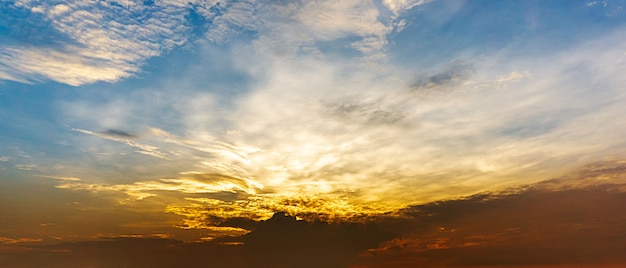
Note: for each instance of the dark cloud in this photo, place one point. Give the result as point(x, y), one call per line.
point(364, 112)
point(237, 222)
point(126, 252)
point(608, 171)
point(526, 227)
point(451, 76)
point(281, 241)
point(116, 133)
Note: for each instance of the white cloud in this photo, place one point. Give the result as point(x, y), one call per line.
point(106, 42)
point(398, 6)
point(109, 41)
point(65, 67)
point(286, 29)
point(28, 167)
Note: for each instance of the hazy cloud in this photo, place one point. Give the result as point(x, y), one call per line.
point(191, 183)
point(365, 113)
point(27, 167)
point(451, 76)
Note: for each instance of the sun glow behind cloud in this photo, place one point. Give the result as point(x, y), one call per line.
point(366, 141)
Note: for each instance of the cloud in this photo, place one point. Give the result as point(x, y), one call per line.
point(192, 183)
point(28, 167)
point(316, 126)
point(357, 138)
point(538, 224)
point(230, 18)
point(301, 28)
point(7, 240)
point(118, 133)
point(398, 6)
point(204, 212)
point(35, 63)
point(366, 113)
point(103, 42)
point(128, 139)
point(60, 178)
point(281, 241)
point(111, 41)
point(451, 77)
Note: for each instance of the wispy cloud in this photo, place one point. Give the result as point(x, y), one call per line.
point(60, 178)
point(28, 167)
point(189, 183)
point(126, 138)
point(7, 240)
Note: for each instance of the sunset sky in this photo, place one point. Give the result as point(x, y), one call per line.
point(385, 133)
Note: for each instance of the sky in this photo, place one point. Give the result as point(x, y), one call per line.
point(326, 133)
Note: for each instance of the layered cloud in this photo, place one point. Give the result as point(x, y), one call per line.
point(106, 41)
point(110, 40)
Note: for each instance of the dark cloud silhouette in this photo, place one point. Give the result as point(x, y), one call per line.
point(116, 133)
point(281, 241)
point(530, 227)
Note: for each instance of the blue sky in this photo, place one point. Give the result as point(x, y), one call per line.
point(186, 108)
